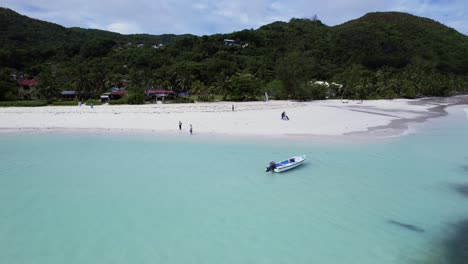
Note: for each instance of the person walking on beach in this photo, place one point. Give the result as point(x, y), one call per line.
point(180, 125)
point(191, 131)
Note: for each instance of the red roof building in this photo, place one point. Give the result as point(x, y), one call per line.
point(28, 82)
point(160, 92)
point(26, 89)
point(119, 92)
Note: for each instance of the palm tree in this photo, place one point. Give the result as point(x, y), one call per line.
point(184, 81)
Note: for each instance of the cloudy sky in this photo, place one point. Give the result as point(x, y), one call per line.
point(205, 17)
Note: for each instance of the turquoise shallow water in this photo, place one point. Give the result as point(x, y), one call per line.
point(142, 199)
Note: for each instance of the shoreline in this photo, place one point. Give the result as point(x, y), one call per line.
point(321, 120)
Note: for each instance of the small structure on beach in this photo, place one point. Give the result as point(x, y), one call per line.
point(68, 94)
point(105, 97)
point(155, 94)
point(184, 94)
point(332, 88)
point(117, 94)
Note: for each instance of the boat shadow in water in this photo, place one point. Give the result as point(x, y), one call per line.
point(406, 226)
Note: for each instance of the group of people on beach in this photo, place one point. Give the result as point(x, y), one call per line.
point(90, 105)
point(283, 117)
point(190, 130)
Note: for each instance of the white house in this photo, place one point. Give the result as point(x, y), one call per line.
point(229, 42)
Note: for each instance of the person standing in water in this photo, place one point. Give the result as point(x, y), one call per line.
point(191, 131)
point(180, 125)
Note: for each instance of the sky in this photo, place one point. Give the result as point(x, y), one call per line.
point(206, 17)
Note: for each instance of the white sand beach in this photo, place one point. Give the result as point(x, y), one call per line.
point(318, 118)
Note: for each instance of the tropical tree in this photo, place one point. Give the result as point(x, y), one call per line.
point(291, 71)
point(136, 95)
point(243, 86)
point(47, 87)
point(7, 85)
point(198, 87)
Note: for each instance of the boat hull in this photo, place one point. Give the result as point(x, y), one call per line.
point(290, 163)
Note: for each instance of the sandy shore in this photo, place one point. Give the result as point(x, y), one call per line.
point(318, 118)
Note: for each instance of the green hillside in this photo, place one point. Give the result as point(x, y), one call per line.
point(396, 39)
point(379, 55)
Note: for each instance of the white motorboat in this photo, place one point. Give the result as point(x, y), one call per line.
point(285, 165)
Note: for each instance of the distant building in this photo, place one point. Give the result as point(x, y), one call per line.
point(332, 88)
point(155, 94)
point(184, 94)
point(114, 95)
point(68, 94)
point(105, 97)
point(124, 82)
point(140, 45)
point(229, 42)
point(159, 46)
point(324, 83)
point(26, 88)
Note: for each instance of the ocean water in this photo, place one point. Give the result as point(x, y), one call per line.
point(151, 199)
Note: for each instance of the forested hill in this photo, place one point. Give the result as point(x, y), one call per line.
point(396, 39)
point(18, 31)
point(386, 54)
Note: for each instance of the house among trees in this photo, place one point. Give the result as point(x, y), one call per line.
point(117, 94)
point(159, 46)
point(155, 94)
point(68, 94)
point(331, 89)
point(124, 83)
point(229, 42)
point(26, 88)
point(105, 97)
point(113, 93)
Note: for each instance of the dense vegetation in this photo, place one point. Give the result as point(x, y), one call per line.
point(380, 55)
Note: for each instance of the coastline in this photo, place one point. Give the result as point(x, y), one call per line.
point(328, 119)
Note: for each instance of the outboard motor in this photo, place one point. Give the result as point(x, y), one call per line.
point(271, 167)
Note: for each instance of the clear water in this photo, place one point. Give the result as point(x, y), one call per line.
point(141, 199)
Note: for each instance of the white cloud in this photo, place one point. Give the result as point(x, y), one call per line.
point(123, 27)
point(199, 6)
point(276, 6)
point(223, 16)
